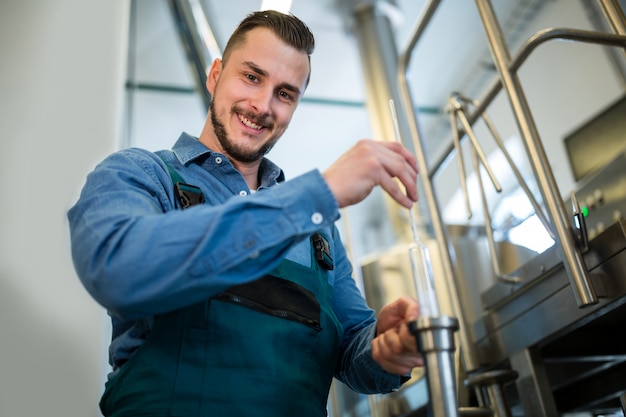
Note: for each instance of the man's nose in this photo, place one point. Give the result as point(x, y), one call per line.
point(261, 100)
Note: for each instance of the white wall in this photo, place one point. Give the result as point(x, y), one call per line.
point(62, 73)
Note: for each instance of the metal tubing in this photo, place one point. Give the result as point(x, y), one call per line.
point(468, 353)
point(479, 150)
point(435, 341)
point(378, 53)
point(527, 48)
point(614, 14)
point(460, 163)
point(572, 258)
point(490, 390)
point(518, 175)
point(198, 40)
point(495, 264)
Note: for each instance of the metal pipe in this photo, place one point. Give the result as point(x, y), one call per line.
point(468, 353)
point(572, 258)
point(456, 137)
point(495, 264)
point(435, 341)
point(490, 390)
point(518, 175)
point(480, 153)
point(198, 40)
point(614, 14)
point(378, 54)
point(516, 62)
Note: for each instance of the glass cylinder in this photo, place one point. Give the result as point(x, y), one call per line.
point(423, 277)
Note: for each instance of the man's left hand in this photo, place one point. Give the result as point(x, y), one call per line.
point(394, 348)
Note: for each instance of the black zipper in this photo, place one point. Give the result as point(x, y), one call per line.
point(280, 313)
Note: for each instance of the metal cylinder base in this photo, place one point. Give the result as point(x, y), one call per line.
point(435, 341)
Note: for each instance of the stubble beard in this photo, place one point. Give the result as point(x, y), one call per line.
point(230, 148)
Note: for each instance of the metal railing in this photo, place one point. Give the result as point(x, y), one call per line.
point(560, 224)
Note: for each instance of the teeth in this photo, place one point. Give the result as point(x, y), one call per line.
point(249, 123)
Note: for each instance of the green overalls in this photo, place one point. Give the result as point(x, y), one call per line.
point(267, 348)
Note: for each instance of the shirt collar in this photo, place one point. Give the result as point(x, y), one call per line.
point(188, 148)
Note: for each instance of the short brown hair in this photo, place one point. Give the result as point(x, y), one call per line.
point(291, 30)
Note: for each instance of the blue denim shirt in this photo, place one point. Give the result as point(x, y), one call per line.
point(138, 256)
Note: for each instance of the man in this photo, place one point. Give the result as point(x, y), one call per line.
point(242, 304)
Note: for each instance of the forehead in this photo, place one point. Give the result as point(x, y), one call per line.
point(272, 55)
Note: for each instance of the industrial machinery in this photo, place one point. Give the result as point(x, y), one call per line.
point(555, 326)
point(545, 337)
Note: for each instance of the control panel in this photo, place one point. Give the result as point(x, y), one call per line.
point(602, 197)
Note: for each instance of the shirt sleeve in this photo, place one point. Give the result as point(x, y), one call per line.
point(139, 257)
point(356, 368)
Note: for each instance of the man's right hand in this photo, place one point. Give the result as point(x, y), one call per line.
point(370, 163)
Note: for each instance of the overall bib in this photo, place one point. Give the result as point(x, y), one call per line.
point(264, 349)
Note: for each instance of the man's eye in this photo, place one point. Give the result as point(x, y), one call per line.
point(285, 95)
point(251, 77)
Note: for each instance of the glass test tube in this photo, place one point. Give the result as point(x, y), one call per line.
point(423, 277)
point(418, 254)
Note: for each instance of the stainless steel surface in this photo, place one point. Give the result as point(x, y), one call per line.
point(564, 264)
point(534, 325)
point(435, 340)
point(533, 384)
point(604, 195)
point(490, 390)
point(539, 322)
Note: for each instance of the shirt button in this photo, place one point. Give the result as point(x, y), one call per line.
point(218, 160)
point(243, 193)
point(317, 218)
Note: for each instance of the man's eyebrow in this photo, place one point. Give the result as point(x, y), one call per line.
point(256, 69)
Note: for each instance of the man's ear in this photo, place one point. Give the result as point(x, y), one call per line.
point(214, 75)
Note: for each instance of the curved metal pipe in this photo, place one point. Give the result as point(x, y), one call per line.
point(524, 52)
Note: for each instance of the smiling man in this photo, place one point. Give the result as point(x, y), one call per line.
point(229, 290)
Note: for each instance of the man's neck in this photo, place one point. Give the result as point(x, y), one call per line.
point(249, 171)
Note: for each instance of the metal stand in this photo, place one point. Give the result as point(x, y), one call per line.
point(489, 387)
point(435, 341)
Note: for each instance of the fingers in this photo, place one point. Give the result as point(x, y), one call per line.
point(399, 167)
point(396, 351)
point(370, 163)
point(401, 310)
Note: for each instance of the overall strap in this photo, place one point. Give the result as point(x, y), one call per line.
point(187, 195)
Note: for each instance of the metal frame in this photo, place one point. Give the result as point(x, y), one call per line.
point(576, 272)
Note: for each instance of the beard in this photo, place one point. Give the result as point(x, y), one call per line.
point(230, 148)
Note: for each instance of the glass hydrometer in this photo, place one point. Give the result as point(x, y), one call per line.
point(421, 265)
